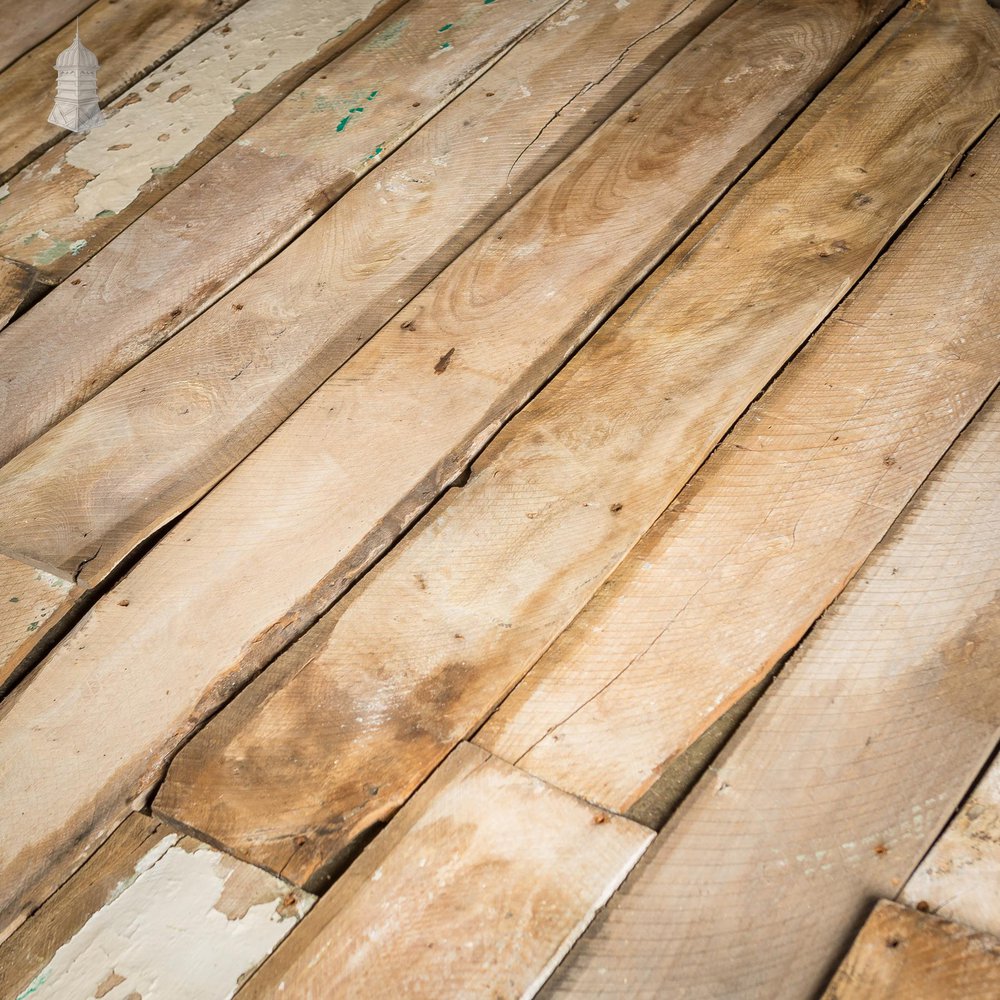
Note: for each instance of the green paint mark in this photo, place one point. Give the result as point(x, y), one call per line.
point(14, 600)
point(386, 39)
point(378, 152)
point(343, 123)
point(29, 239)
point(355, 111)
point(33, 626)
point(446, 45)
point(76, 246)
point(59, 249)
point(105, 214)
point(35, 983)
point(445, 27)
point(373, 95)
point(486, 3)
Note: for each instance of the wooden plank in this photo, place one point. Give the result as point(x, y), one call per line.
point(129, 39)
point(476, 888)
point(497, 569)
point(26, 25)
point(780, 517)
point(63, 207)
point(901, 954)
point(17, 284)
point(960, 877)
point(840, 777)
point(193, 250)
point(153, 913)
point(279, 519)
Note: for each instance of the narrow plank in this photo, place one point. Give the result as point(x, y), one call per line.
point(499, 568)
point(63, 207)
point(153, 913)
point(960, 877)
point(841, 776)
point(27, 25)
point(279, 519)
point(476, 888)
point(901, 954)
point(193, 250)
point(780, 517)
point(130, 40)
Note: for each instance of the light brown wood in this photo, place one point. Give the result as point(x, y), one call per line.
point(476, 888)
point(780, 517)
point(901, 954)
point(841, 776)
point(28, 24)
point(274, 545)
point(17, 282)
point(130, 39)
point(473, 161)
point(153, 913)
point(427, 644)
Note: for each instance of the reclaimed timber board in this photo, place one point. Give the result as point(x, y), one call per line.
point(28, 24)
point(424, 647)
point(557, 85)
point(476, 888)
point(154, 913)
point(901, 954)
point(770, 530)
point(840, 778)
point(129, 38)
point(279, 519)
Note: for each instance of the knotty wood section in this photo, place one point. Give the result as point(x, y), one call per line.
point(901, 954)
point(960, 877)
point(63, 207)
point(130, 40)
point(28, 24)
point(780, 517)
point(838, 781)
point(476, 888)
point(423, 648)
point(153, 913)
point(304, 515)
point(557, 85)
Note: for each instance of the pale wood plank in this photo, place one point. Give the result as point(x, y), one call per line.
point(424, 647)
point(279, 520)
point(190, 249)
point(839, 779)
point(776, 522)
point(130, 40)
point(153, 913)
point(25, 25)
point(476, 888)
point(960, 877)
point(901, 954)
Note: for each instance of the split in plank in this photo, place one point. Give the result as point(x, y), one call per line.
point(424, 648)
point(477, 887)
point(770, 530)
point(841, 776)
point(26, 25)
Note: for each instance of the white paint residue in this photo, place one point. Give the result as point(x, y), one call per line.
point(206, 79)
point(155, 853)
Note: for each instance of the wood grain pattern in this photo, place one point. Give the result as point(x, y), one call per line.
point(130, 39)
point(153, 913)
point(777, 521)
point(424, 647)
point(558, 84)
point(476, 888)
point(960, 877)
point(17, 286)
point(26, 25)
point(839, 779)
point(305, 515)
point(901, 954)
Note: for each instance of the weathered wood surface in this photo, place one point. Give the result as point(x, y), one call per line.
point(473, 161)
point(26, 25)
point(156, 914)
point(780, 517)
point(901, 954)
point(424, 647)
point(63, 207)
point(960, 877)
point(476, 888)
point(130, 39)
point(838, 781)
point(279, 519)
point(17, 282)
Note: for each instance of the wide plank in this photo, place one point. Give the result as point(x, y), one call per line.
point(557, 85)
point(767, 533)
point(153, 913)
point(70, 201)
point(476, 888)
point(26, 25)
point(901, 954)
point(839, 779)
point(130, 39)
point(425, 646)
point(322, 498)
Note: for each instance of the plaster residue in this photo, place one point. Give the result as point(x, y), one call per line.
point(168, 935)
point(172, 111)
